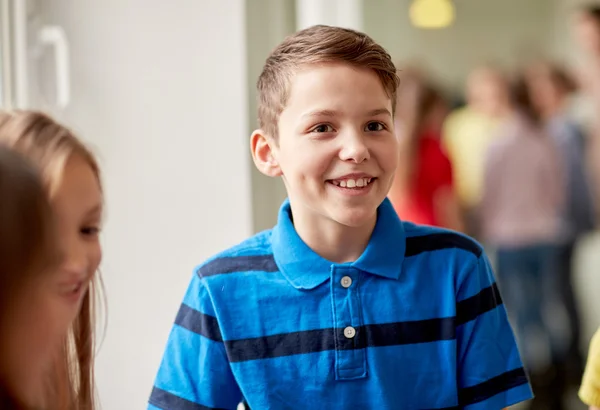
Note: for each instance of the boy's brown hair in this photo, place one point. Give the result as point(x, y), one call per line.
point(317, 45)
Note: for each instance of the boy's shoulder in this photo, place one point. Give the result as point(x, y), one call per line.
point(252, 254)
point(423, 238)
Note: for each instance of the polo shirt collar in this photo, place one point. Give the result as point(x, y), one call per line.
point(305, 269)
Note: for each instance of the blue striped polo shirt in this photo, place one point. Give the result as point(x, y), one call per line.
point(416, 322)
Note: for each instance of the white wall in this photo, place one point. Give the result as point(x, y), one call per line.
point(267, 23)
point(341, 13)
point(160, 88)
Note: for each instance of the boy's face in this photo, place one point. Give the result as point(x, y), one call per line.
point(336, 151)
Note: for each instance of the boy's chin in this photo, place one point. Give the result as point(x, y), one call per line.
point(355, 218)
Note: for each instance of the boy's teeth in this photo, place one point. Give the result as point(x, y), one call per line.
point(352, 183)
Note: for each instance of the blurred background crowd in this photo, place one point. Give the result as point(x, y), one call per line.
point(513, 160)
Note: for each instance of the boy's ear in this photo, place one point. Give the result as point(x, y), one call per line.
point(263, 153)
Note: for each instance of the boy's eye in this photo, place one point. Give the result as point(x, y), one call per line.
point(323, 128)
point(375, 126)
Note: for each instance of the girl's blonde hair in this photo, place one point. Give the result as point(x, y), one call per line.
point(48, 145)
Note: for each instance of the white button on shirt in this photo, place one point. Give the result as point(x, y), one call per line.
point(346, 281)
point(349, 332)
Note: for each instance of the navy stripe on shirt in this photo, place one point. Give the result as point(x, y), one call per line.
point(199, 323)
point(438, 241)
point(470, 308)
point(231, 264)
point(312, 341)
point(167, 401)
point(488, 389)
point(492, 387)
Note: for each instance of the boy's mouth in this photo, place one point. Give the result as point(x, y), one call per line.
point(352, 183)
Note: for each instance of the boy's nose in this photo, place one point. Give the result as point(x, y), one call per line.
point(354, 149)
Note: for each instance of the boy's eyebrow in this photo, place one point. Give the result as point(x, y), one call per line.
point(379, 111)
point(320, 113)
point(331, 113)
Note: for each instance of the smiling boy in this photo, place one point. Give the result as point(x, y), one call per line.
point(341, 305)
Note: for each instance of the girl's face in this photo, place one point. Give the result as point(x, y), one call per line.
point(78, 207)
point(48, 308)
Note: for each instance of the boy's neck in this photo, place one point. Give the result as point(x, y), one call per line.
point(331, 240)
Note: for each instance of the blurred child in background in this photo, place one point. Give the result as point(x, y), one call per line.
point(521, 209)
point(423, 191)
point(467, 134)
point(551, 87)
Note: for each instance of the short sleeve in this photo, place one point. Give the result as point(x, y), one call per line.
point(490, 372)
point(195, 372)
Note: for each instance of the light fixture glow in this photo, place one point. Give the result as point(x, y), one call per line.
point(432, 14)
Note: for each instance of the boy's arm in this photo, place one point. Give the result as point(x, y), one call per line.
point(195, 372)
point(490, 372)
